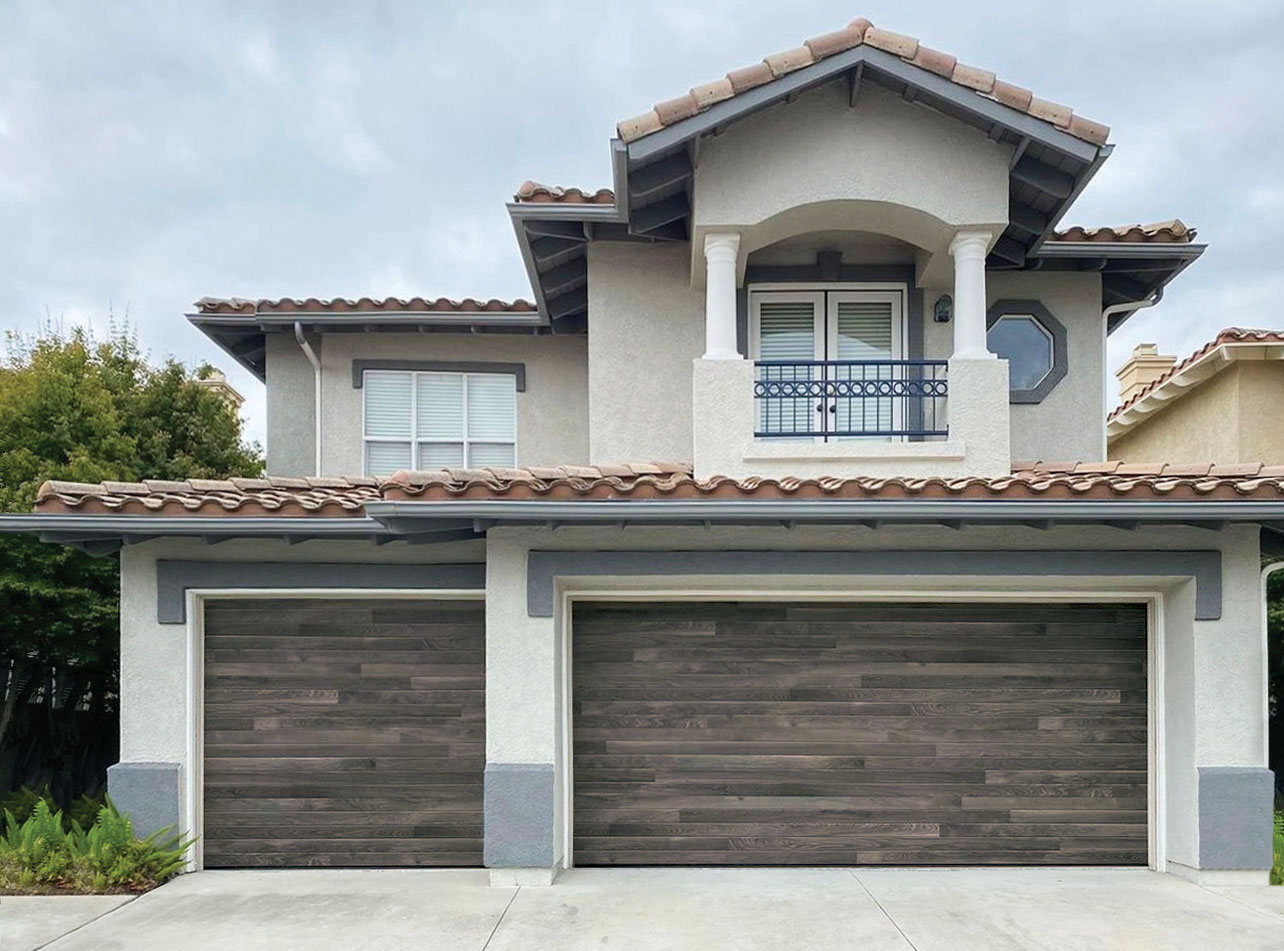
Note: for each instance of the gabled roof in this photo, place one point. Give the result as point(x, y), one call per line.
point(1054, 155)
point(859, 31)
point(1231, 344)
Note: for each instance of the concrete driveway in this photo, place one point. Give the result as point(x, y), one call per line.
point(867, 909)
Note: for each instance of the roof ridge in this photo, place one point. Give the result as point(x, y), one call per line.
point(859, 31)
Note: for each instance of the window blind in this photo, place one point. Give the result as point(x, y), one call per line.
point(433, 420)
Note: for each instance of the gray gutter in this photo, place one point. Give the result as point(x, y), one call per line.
point(828, 510)
point(231, 525)
point(1124, 249)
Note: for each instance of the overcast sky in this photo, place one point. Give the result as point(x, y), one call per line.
point(152, 154)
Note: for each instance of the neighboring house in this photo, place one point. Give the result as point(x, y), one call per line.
point(1220, 405)
point(716, 553)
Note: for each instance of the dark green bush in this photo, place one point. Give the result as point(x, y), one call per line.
point(41, 853)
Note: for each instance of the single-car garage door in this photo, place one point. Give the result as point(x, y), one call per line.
point(823, 734)
point(344, 732)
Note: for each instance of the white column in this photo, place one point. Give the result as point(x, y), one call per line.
point(720, 297)
point(968, 250)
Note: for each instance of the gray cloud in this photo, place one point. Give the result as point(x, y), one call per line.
point(151, 154)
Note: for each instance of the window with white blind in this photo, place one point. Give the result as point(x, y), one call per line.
point(432, 420)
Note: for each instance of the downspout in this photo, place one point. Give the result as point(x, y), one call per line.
point(1266, 661)
point(1106, 314)
point(316, 396)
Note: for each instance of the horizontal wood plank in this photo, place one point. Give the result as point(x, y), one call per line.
point(859, 734)
point(344, 733)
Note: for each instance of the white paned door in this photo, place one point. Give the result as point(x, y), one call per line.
point(817, 333)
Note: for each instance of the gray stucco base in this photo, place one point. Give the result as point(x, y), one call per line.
point(148, 793)
point(519, 809)
point(1235, 808)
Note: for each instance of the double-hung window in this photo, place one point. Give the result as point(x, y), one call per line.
point(432, 420)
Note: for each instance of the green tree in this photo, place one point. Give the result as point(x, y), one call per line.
point(83, 410)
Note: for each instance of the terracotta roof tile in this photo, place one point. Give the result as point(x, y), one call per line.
point(659, 480)
point(244, 307)
point(1161, 232)
point(1229, 335)
point(538, 192)
point(854, 34)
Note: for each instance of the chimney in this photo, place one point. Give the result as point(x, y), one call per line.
point(1144, 367)
point(215, 380)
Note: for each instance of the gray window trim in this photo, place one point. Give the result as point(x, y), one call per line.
point(1016, 307)
point(359, 367)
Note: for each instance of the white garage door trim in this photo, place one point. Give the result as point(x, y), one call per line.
point(193, 804)
point(1155, 720)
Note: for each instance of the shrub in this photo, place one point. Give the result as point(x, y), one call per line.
point(1277, 870)
point(21, 803)
point(41, 854)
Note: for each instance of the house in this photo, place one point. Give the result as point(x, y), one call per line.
point(772, 531)
point(1219, 405)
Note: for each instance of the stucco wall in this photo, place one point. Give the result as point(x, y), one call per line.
point(916, 174)
point(1229, 417)
point(552, 414)
point(646, 326)
point(1203, 425)
point(291, 446)
point(153, 656)
point(1070, 421)
point(1213, 669)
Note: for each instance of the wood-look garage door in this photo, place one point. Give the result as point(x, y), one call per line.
point(344, 733)
point(822, 734)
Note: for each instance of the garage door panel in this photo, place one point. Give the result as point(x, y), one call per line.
point(783, 733)
point(343, 733)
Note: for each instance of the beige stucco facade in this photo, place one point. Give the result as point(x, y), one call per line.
point(1232, 416)
point(552, 412)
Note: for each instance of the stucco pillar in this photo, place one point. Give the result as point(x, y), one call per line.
point(720, 296)
point(522, 808)
point(968, 250)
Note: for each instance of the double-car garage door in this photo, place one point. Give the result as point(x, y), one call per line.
point(352, 733)
point(820, 734)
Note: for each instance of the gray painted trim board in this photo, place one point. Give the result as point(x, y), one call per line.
point(1235, 808)
point(518, 810)
point(543, 568)
point(359, 367)
point(174, 578)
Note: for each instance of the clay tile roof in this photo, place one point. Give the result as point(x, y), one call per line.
point(657, 480)
point(262, 497)
point(859, 31)
point(240, 306)
point(1227, 336)
point(1162, 232)
point(536, 192)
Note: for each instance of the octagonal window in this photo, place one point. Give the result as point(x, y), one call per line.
point(1027, 346)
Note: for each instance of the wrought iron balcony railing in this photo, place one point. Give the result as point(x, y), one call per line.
point(836, 399)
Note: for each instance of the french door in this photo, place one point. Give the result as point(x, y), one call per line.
point(828, 354)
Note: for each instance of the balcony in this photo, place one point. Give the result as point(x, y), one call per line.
point(896, 400)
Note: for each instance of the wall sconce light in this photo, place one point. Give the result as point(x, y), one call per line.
point(944, 309)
